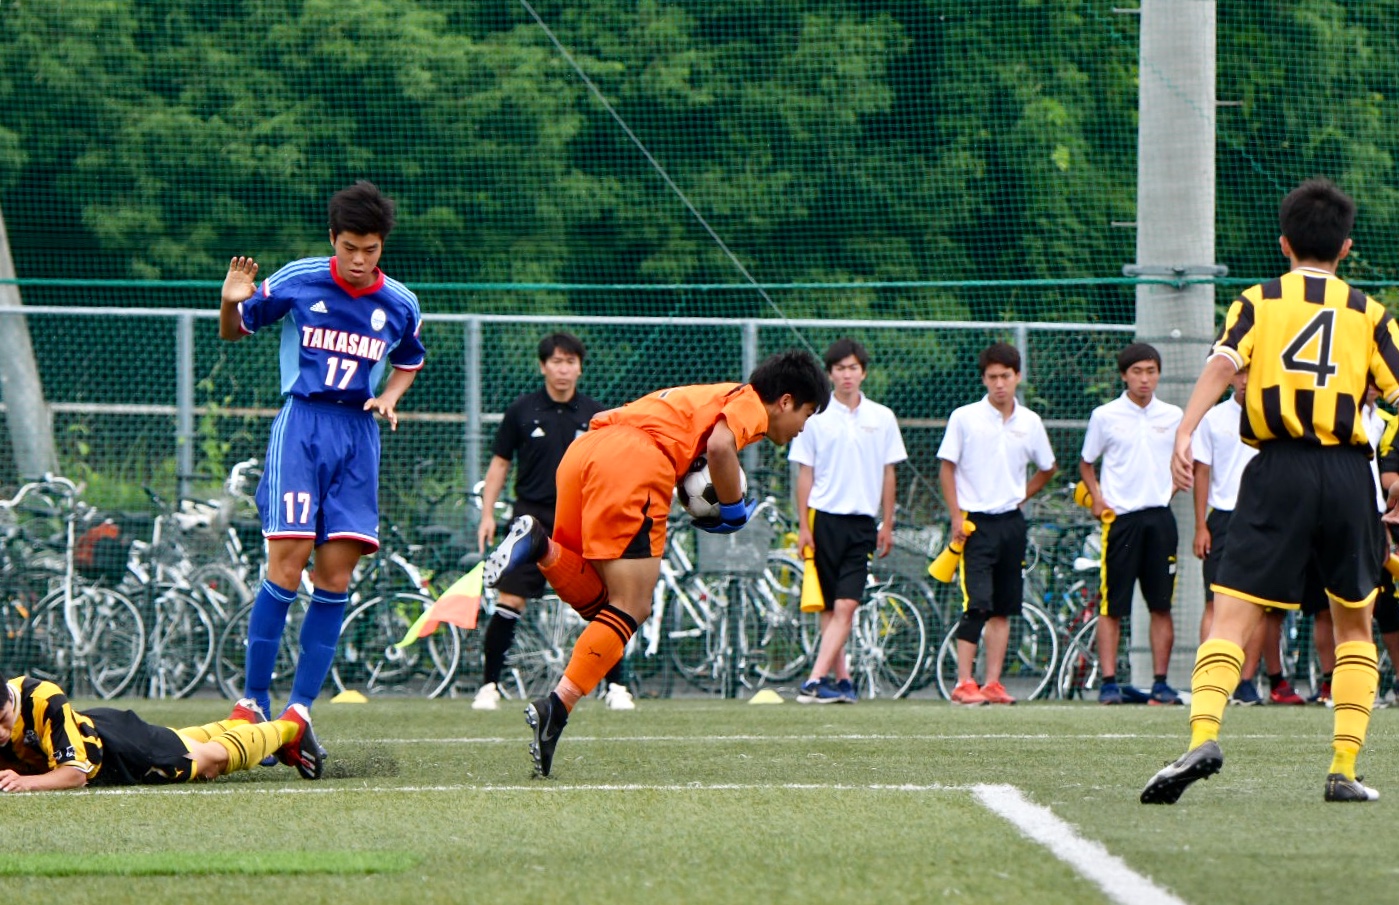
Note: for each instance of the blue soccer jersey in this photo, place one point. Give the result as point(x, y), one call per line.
point(336, 338)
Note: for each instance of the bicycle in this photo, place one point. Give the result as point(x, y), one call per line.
point(81, 630)
point(1032, 655)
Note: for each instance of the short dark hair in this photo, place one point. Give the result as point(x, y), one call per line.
point(796, 372)
point(566, 343)
point(1137, 352)
point(842, 349)
point(999, 354)
point(1316, 218)
point(361, 209)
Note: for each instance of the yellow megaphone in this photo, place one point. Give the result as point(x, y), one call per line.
point(1085, 499)
point(944, 568)
point(1391, 565)
point(812, 600)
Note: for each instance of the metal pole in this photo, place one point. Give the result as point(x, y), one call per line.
point(1175, 229)
point(473, 402)
point(184, 404)
point(750, 361)
point(1022, 343)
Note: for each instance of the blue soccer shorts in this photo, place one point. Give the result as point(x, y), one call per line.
point(321, 477)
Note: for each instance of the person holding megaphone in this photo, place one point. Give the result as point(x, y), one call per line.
point(986, 453)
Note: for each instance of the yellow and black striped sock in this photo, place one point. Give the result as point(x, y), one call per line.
point(248, 743)
point(1353, 685)
point(209, 731)
point(1218, 664)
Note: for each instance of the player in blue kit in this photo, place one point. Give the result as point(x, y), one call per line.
point(344, 325)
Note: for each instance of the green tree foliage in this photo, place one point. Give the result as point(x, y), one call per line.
point(826, 140)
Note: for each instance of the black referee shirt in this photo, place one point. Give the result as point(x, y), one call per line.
point(536, 431)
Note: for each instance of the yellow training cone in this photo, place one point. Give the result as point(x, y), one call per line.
point(765, 696)
point(349, 696)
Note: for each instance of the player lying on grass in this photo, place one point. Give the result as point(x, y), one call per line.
point(48, 745)
point(614, 493)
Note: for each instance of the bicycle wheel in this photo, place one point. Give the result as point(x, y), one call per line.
point(1080, 672)
point(180, 648)
point(775, 640)
point(369, 661)
point(113, 639)
point(222, 588)
point(888, 641)
point(230, 659)
point(1032, 656)
point(694, 635)
point(544, 637)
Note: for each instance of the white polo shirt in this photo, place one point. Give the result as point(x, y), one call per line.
point(1135, 444)
point(1375, 424)
point(1216, 443)
point(992, 454)
point(847, 450)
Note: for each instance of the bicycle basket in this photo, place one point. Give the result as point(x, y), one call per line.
point(741, 553)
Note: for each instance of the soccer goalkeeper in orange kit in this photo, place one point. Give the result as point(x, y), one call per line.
point(614, 492)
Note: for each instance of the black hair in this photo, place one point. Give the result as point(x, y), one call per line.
point(842, 349)
point(566, 343)
point(1316, 218)
point(1137, 352)
point(999, 354)
point(796, 372)
point(361, 209)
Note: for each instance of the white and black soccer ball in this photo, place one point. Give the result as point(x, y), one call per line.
point(696, 491)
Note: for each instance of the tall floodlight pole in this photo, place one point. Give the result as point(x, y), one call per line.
point(26, 412)
point(1175, 240)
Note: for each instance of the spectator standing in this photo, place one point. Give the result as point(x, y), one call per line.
point(1134, 435)
point(845, 507)
point(985, 454)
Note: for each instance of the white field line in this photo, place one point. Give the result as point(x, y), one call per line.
point(844, 737)
point(1089, 858)
point(536, 786)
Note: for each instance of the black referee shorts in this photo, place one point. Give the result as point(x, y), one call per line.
point(137, 753)
point(992, 560)
point(1139, 547)
point(843, 547)
point(1217, 522)
point(1299, 501)
point(526, 581)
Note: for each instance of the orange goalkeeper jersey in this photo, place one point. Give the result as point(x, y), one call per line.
point(681, 419)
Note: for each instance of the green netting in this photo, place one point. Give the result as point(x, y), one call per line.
point(883, 161)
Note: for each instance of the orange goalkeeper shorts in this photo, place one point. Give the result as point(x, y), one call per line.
point(614, 490)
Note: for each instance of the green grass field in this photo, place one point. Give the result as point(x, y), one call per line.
point(714, 801)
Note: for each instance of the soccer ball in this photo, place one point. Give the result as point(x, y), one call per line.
point(696, 492)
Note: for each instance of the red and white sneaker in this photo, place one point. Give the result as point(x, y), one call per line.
point(1284, 693)
point(303, 752)
point(247, 710)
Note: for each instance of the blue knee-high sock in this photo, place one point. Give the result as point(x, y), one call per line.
point(265, 625)
point(320, 634)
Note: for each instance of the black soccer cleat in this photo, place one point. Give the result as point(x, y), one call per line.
point(546, 716)
point(526, 542)
point(1340, 788)
point(1173, 779)
point(303, 752)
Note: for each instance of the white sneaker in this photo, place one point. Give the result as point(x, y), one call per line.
point(487, 698)
point(618, 698)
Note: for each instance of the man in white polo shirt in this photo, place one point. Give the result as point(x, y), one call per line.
point(845, 482)
point(1135, 437)
point(985, 455)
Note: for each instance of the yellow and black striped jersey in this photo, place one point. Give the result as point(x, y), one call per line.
point(48, 733)
point(1311, 343)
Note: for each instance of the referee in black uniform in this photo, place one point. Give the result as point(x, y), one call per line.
point(536, 430)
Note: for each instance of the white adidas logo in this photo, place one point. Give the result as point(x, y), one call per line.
point(320, 308)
